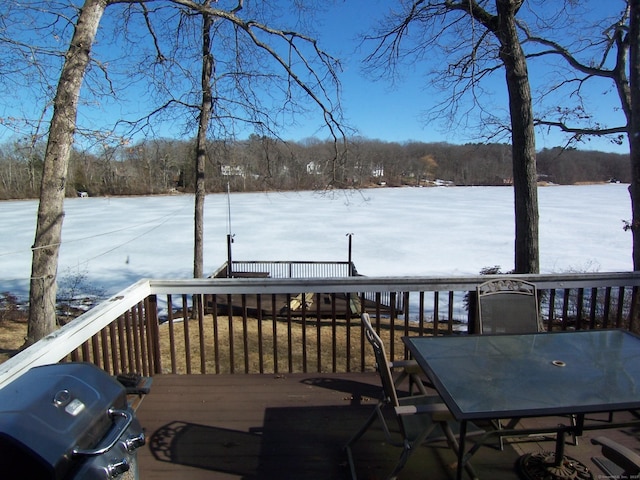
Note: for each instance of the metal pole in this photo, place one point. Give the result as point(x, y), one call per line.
point(350, 258)
point(229, 235)
point(229, 265)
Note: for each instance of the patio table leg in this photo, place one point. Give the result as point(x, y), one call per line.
point(461, 449)
point(576, 429)
point(559, 455)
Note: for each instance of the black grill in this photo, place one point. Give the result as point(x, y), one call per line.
point(67, 421)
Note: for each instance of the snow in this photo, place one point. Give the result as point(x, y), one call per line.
point(110, 243)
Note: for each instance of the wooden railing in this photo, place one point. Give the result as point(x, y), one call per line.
point(253, 325)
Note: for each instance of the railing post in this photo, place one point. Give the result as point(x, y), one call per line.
point(579, 308)
point(472, 314)
point(152, 318)
point(229, 259)
point(634, 314)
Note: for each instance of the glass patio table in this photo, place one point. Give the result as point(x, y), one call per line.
point(488, 377)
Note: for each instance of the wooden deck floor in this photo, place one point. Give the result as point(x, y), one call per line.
point(295, 427)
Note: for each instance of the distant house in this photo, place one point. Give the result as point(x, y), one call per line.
point(378, 171)
point(232, 170)
point(443, 183)
point(314, 168)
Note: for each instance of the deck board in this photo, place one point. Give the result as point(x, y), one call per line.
point(295, 427)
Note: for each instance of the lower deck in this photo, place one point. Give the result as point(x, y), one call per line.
point(294, 426)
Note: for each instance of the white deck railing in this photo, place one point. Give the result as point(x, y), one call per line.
point(122, 333)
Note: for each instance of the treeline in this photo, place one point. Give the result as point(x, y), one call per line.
point(258, 163)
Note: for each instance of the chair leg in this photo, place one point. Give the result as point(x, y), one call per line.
point(407, 450)
point(415, 380)
point(355, 438)
point(510, 426)
point(402, 461)
point(406, 445)
point(453, 444)
point(573, 434)
point(498, 426)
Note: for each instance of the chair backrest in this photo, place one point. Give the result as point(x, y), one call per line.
point(507, 305)
point(382, 364)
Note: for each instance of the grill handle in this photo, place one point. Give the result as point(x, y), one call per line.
point(115, 435)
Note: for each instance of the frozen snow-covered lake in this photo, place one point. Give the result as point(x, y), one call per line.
point(113, 242)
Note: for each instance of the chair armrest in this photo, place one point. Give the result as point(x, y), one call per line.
point(619, 454)
point(411, 368)
point(438, 411)
point(409, 365)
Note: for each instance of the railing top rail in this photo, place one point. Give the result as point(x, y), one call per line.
point(287, 262)
point(381, 284)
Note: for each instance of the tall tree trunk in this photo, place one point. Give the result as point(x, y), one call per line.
point(46, 247)
point(634, 125)
point(523, 150)
point(201, 147)
point(527, 257)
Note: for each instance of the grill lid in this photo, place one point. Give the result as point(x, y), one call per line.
point(52, 410)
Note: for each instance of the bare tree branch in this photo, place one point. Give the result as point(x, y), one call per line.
point(160, 57)
point(614, 37)
point(582, 131)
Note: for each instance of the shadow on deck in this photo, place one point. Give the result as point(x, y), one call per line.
point(294, 427)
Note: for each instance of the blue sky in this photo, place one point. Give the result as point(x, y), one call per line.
point(396, 111)
point(377, 109)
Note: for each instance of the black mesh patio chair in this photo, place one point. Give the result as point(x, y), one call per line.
point(619, 461)
point(507, 305)
point(421, 417)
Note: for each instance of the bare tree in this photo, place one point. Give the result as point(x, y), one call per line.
point(305, 67)
point(201, 144)
point(46, 247)
point(84, 22)
point(245, 60)
point(457, 21)
point(607, 49)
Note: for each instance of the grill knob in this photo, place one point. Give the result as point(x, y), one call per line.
point(117, 468)
point(134, 441)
